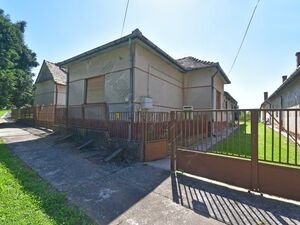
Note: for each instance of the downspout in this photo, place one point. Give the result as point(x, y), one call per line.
point(67, 98)
point(56, 91)
point(55, 105)
point(131, 88)
point(212, 89)
point(212, 100)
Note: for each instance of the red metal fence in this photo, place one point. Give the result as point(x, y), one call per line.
point(146, 126)
point(254, 149)
point(248, 148)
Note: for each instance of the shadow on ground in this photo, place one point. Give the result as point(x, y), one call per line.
point(231, 206)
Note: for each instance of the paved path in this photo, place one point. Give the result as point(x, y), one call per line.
point(139, 194)
point(109, 193)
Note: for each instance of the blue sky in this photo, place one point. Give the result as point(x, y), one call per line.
point(206, 29)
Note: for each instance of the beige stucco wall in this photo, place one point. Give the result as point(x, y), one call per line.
point(114, 65)
point(155, 78)
point(44, 93)
point(61, 94)
point(218, 86)
point(197, 88)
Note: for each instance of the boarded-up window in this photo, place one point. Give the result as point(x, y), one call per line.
point(95, 90)
point(218, 100)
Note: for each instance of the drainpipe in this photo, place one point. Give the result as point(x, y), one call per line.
point(131, 87)
point(212, 99)
point(56, 93)
point(67, 98)
point(55, 105)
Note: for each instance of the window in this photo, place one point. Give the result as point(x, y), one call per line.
point(95, 90)
point(218, 100)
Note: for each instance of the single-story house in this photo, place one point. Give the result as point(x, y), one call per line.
point(230, 103)
point(50, 85)
point(286, 96)
point(133, 74)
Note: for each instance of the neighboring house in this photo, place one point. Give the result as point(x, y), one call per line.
point(286, 96)
point(50, 85)
point(230, 103)
point(133, 74)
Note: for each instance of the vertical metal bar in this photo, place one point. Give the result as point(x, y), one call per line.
point(185, 119)
point(245, 133)
point(172, 129)
point(202, 128)
point(239, 134)
point(265, 134)
point(181, 127)
point(197, 136)
point(226, 132)
point(254, 152)
point(216, 130)
point(211, 131)
point(221, 133)
point(206, 122)
point(296, 136)
point(272, 136)
point(288, 137)
point(280, 128)
point(189, 130)
point(233, 133)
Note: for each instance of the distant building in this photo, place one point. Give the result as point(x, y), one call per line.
point(286, 96)
point(50, 85)
point(229, 101)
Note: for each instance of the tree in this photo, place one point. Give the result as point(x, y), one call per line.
point(16, 62)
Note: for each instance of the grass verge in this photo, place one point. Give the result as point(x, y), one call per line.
point(27, 199)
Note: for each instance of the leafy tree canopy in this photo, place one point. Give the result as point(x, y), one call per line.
point(16, 61)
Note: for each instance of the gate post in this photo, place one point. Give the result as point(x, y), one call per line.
point(172, 132)
point(254, 150)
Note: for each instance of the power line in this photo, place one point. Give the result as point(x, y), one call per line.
point(124, 18)
point(244, 37)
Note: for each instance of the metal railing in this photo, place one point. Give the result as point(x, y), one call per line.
point(234, 133)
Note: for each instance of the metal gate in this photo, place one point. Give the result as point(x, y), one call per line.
point(155, 135)
point(239, 147)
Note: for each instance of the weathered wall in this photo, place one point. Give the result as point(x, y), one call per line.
point(114, 65)
point(61, 94)
point(153, 77)
point(218, 86)
point(158, 79)
point(197, 88)
point(288, 98)
point(44, 93)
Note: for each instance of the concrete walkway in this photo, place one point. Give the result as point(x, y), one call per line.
point(113, 193)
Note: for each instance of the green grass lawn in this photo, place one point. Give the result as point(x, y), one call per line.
point(26, 199)
point(3, 111)
point(232, 146)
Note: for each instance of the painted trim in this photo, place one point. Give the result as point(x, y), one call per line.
point(201, 86)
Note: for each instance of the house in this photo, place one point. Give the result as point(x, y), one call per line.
point(50, 85)
point(133, 74)
point(229, 101)
point(229, 104)
point(286, 96)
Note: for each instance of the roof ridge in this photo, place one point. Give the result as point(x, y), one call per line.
point(198, 60)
